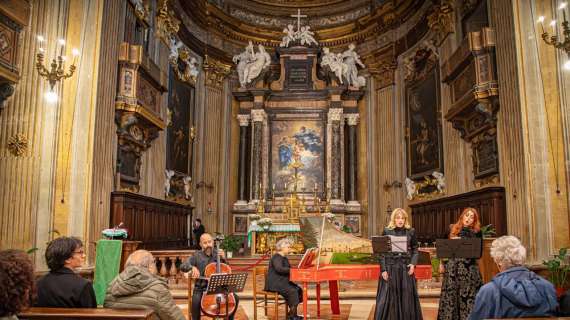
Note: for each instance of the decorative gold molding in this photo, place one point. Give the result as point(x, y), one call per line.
point(215, 72)
point(441, 21)
point(122, 106)
point(167, 24)
point(18, 145)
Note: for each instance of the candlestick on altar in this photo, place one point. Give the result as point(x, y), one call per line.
point(541, 21)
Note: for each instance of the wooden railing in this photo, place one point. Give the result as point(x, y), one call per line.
point(157, 224)
point(432, 219)
point(168, 266)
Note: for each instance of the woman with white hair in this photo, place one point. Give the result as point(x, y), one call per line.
point(397, 297)
point(515, 292)
point(278, 278)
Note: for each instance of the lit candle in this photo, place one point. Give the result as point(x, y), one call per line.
point(316, 186)
point(75, 53)
point(41, 40)
point(563, 7)
point(541, 21)
point(62, 44)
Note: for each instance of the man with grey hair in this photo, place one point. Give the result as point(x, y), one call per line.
point(515, 292)
point(137, 287)
point(278, 278)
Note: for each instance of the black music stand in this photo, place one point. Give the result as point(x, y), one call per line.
point(381, 244)
point(226, 283)
point(467, 248)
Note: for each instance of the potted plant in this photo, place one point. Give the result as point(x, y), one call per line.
point(230, 244)
point(558, 270)
point(488, 231)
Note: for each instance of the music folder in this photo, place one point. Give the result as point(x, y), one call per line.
point(386, 244)
point(467, 248)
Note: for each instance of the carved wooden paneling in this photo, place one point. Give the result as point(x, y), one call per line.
point(158, 224)
point(431, 219)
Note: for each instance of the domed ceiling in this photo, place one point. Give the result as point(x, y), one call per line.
point(335, 22)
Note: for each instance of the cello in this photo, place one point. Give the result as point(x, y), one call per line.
point(215, 305)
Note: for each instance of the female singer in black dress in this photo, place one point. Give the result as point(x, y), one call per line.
point(462, 279)
point(397, 297)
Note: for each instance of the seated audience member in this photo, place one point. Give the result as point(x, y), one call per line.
point(61, 287)
point(278, 278)
point(16, 283)
point(515, 292)
point(137, 287)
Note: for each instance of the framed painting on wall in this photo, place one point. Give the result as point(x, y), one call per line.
point(353, 221)
point(241, 224)
point(423, 113)
point(301, 143)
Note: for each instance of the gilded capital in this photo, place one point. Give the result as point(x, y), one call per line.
point(352, 118)
point(215, 72)
point(258, 115)
point(243, 119)
point(335, 114)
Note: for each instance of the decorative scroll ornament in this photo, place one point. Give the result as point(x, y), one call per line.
point(185, 66)
point(440, 21)
point(167, 25)
point(431, 186)
point(18, 145)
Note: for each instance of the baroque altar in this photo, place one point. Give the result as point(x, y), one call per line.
point(298, 109)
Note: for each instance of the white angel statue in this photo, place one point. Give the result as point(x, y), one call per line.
point(261, 60)
point(440, 181)
point(335, 62)
point(351, 59)
point(242, 60)
point(306, 36)
point(290, 36)
point(168, 174)
point(187, 185)
point(410, 188)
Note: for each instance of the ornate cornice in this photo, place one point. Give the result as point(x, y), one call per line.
point(441, 22)
point(215, 72)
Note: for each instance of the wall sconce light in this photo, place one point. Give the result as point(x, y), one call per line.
point(56, 71)
point(394, 184)
point(553, 40)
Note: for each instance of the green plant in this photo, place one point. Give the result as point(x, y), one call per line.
point(231, 243)
point(488, 231)
point(557, 268)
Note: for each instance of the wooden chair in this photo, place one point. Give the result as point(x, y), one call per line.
point(259, 274)
point(83, 313)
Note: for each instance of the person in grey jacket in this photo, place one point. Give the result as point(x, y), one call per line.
point(515, 292)
point(137, 287)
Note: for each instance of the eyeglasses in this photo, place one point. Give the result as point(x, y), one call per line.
point(81, 252)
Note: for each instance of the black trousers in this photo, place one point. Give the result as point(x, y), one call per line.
point(292, 293)
point(197, 298)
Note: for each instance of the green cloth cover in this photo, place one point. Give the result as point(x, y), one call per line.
point(107, 263)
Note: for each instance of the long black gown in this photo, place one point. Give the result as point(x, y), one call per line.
point(397, 298)
point(461, 282)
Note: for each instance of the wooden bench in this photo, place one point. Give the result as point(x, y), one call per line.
point(85, 313)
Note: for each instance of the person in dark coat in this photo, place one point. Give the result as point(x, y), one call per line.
point(462, 279)
point(16, 281)
point(196, 264)
point(62, 287)
point(397, 297)
point(278, 278)
point(565, 304)
point(515, 292)
point(198, 230)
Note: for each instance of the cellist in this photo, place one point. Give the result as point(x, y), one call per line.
point(198, 263)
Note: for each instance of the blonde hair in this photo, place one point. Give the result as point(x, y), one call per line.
point(399, 212)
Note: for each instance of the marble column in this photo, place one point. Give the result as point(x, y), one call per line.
point(243, 124)
point(334, 129)
point(352, 121)
point(259, 118)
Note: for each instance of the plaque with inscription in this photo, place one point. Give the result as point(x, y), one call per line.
point(298, 74)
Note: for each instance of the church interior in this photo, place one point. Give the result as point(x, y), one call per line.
point(308, 124)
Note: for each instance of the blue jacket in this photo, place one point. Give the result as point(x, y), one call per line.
point(514, 293)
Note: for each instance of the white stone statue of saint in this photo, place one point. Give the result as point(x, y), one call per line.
point(335, 62)
point(174, 46)
point(410, 188)
point(306, 36)
point(440, 181)
point(352, 59)
point(168, 174)
point(429, 45)
point(187, 185)
point(241, 60)
point(290, 36)
point(261, 60)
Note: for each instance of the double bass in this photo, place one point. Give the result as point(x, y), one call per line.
point(215, 305)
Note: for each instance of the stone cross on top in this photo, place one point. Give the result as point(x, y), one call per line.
point(298, 16)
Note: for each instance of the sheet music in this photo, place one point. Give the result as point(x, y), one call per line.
point(399, 243)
